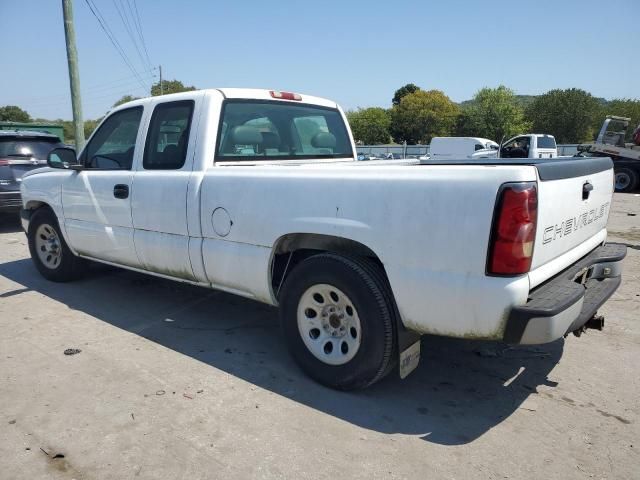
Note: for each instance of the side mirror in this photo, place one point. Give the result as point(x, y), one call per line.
point(62, 157)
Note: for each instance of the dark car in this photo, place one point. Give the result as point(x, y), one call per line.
point(21, 151)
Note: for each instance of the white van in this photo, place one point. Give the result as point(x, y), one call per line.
point(531, 145)
point(447, 148)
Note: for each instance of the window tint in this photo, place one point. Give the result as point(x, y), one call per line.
point(259, 130)
point(479, 146)
point(546, 142)
point(112, 146)
point(168, 137)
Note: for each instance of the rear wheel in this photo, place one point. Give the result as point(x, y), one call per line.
point(49, 251)
point(338, 320)
point(626, 179)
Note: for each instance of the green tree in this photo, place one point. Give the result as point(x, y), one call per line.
point(622, 107)
point(125, 99)
point(370, 125)
point(90, 126)
point(422, 115)
point(170, 86)
point(494, 113)
point(402, 91)
point(12, 113)
point(569, 115)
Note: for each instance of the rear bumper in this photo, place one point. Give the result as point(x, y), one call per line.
point(10, 201)
point(567, 301)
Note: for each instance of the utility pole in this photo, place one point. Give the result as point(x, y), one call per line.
point(74, 76)
point(161, 89)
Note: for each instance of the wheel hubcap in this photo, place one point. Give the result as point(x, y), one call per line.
point(329, 324)
point(622, 181)
point(47, 243)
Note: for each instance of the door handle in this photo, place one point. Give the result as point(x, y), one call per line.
point(121, 191)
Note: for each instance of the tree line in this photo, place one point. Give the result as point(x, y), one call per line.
point(13, 113)
point(416, 116)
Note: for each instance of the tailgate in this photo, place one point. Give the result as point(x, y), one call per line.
point(574, 197)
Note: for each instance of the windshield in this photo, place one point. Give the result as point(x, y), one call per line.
point(261, 130)
point(27, 147)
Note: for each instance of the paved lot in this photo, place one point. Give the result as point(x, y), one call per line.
point(175, 381)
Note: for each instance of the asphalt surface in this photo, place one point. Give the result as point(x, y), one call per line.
point(174, 381)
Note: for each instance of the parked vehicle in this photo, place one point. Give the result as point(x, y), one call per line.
point(447, 148)
point(626, 156)
point(532, 145)
point(20, 152)
point(259, 193)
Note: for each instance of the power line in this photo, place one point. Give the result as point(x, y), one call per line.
point(122, 13)
point(115, 84)
point(114, 41)
point(138, 24)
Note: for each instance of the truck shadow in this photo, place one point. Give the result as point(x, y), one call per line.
point(10, 223)
point(460, 390)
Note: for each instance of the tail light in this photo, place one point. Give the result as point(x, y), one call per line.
point(514, 229)
point(285, 95)
point(4, 162)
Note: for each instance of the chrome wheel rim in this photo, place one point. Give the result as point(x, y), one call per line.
point(329, 324)
point(48, 247)
point(622, 181)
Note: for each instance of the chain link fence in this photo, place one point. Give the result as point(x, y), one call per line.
point(410, 151)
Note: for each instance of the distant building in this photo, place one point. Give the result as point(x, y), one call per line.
point(52, 128)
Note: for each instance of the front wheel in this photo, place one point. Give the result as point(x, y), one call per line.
point(338, 319)
point(626, 179)
point(49, 251)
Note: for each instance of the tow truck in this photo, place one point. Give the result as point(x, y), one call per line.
point(626, 156)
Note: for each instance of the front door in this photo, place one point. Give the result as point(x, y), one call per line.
point(97, 200)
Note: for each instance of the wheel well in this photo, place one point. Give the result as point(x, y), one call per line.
point(35, 204)
point(293, 248)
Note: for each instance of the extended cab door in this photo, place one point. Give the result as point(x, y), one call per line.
point(97, 200)
point(159, 203)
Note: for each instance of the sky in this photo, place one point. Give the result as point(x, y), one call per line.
point(354, 52)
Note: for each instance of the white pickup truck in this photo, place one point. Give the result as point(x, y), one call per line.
point(258, 193)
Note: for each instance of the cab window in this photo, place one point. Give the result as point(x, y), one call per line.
point(545, 141)
point(113, 145)
point(253, 130)
point(168, 136)
point(516, 148)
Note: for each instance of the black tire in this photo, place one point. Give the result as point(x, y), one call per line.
point(631, 177)
point(365, 285)
point(69, 266)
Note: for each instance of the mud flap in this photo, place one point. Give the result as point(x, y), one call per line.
point(409, 348)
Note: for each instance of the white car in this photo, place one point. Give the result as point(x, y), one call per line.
point(258, 193)
point(447, 148)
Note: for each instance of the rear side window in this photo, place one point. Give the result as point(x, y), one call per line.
point(168, 136)
point(27, 147)
point(546, 142)
point(260, 130)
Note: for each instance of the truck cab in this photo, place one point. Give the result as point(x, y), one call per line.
point(532, 145)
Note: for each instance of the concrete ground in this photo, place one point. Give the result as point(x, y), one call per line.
point(175, 382)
